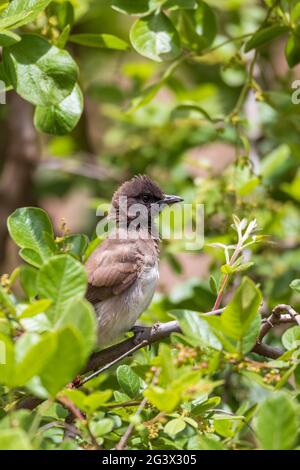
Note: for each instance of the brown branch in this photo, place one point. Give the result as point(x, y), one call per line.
point(281, 314)
point(103, 360)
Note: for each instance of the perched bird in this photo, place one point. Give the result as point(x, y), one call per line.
point(123, 270)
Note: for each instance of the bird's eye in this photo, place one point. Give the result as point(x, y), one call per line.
point(146, 197)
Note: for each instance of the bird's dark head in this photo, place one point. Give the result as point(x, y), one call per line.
point(142, 190)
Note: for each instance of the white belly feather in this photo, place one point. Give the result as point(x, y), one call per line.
point(118, 314)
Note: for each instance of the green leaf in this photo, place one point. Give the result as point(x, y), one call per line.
point(101, 427)
point(31, 355)
point(295, 285)
point(206, 405)
point(263, 36)
point(28, 277)
point(198, 27)
point(292, 50)
point(213, 284)
point(175, 426)
point(63, 280)
point(81, 315)
point(155, 37)
point(76, 244)
point(66, 361)
point(241, 310)
point(179, 4)
point(40, 72)
point(291, 338)
point(107, 41)
point(14, 439)
point(6, 305)
point(7, 38)
point(20, 12)
point(31, 257)
point(276, 423)
point(136, 7)
point(164, 400)
point(60, 118)
point(128, 380)
point(190, 111)
point(40, 306)
point(64, 12)
point(204, 442)
point(29, 227)
point(7, 360)
point(196, 328)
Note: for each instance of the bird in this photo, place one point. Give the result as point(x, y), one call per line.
point(123, 270)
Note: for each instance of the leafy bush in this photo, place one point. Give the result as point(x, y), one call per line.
point(191, 71)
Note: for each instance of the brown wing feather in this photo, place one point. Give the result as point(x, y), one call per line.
point(112, 268)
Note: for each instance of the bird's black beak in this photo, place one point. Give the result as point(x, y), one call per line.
point(168, 199)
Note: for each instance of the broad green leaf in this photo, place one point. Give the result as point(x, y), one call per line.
point(136, 7)
point(7, 360)
point(276, 423)
point(164, 400)
point(291, 338)
point(76, 244)
point(81, 315)
point(155, 37)
point(63, 280)
point(292, 50)
point(40, 72)
point(175, 426)
point(14, 439)
point(295, 285)
point(60, 118)
point(20, 12)
point(205, 442)
point(40, 306)
point(251, 335)
point(275, 162)
point(128, 380)
point(31, 257)
point(196, 328)
point(29, 227)
point(241, 310)
point(32, 352)
point(198, 27)
point(101, 427)
point(7, 38)
point(263, 36)
point(28, 277)
point(107, 41)
point(96, 399)
point(66, 361)
point(165, 362)
point(206, 405)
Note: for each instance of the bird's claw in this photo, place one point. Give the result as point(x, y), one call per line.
point(140, 333)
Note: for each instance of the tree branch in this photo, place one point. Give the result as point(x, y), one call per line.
point(105, 359)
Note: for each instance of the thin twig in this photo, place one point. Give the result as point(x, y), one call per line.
point(78, 415)
point(123, 441)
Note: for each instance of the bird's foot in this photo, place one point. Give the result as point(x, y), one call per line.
point(140, 333)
